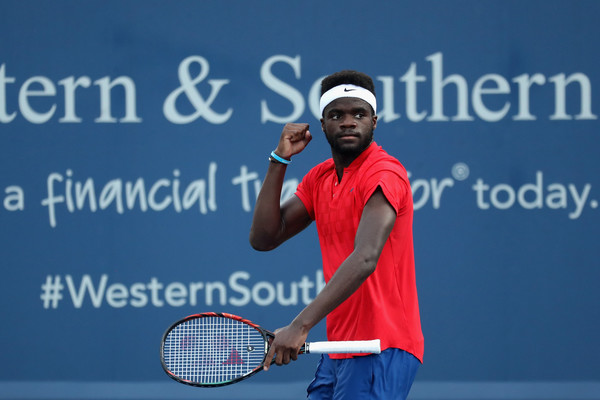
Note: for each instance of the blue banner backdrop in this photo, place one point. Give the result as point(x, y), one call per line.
point(134, 137)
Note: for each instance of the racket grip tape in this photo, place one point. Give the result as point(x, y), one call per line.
point(343, 347)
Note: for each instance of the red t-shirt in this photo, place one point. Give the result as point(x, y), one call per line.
point(385, 306)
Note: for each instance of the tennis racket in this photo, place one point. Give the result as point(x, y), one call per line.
point(216, 349)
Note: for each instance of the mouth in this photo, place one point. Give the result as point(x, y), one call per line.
point(348, 135)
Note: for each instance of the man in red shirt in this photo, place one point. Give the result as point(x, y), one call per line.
point(361, 202)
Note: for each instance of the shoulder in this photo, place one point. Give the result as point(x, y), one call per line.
point(319, 171)
point(307, 190)
point(381, 170)
point(379, 161)
point(313, 177)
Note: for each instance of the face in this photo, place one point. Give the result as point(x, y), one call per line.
point(348, 124)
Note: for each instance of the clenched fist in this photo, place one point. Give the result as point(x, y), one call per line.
point(294, 138)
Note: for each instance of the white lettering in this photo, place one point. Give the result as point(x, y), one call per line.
point(560, 96)
point(241, 289)
point(265, 287)
point(70, 84)
point(387, 112)
point(176, 294)
point(501, 87)
point(86, 286)
point(14, 199)
point(524, 82)
point(429, 188)
point(281, 88)
point(36, 111)
point(5, 117)
point(410, 78)
point(528, 196)
point(163, 193)
point(48, 89)
point(139, 296)
point(179, 294)
point(116, 295)
point(579, 199)
point(188, 88)
point(106, 86)
point(37, 95)
point(438, 83)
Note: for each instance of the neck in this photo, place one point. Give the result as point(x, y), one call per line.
point(344, 159)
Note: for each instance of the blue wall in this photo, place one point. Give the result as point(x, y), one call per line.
point(134, 136)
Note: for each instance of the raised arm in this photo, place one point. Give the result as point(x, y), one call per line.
point(273, 222)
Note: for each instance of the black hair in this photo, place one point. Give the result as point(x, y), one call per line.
point(347, 77)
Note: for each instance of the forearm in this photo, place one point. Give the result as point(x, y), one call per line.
point(267, 223)
point(348, 278)
point(273, 223)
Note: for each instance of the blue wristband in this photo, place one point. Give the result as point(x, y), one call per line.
point(279, 159)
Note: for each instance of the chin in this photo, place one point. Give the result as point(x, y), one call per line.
point(347, 150)
point(352, 148)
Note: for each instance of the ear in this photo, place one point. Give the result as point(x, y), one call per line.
point(323, 124)
point(374, 122)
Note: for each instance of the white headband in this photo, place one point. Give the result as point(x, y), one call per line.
point(347, 91)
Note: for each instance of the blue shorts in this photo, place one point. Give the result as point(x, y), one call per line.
point(388, 375)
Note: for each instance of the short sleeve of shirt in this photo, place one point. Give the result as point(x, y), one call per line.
point(392, 181)
point(306, 190)
point(302, 191)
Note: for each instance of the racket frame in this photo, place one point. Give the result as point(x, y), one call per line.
point(267, 335)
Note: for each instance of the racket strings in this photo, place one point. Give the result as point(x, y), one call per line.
point(213, 350)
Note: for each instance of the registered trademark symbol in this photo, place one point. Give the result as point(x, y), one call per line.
point(460, 171)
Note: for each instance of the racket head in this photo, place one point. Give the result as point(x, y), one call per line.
point(213, 349)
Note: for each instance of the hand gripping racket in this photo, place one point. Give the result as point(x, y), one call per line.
point(217, 349)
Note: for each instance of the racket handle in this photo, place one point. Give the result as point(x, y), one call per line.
point(352, 346)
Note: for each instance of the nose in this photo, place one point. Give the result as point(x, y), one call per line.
point(348, 120)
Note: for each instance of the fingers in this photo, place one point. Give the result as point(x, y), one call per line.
point(285, 346)
point(280, 357)
point(294, 131)
point(294, 138)
point(269, 358)
point(307, 138)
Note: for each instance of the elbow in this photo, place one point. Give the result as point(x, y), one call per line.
point(260, 246)
point(260, 243)
point(367, 265)
point(368, 268)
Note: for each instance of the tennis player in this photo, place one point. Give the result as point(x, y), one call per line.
point(361, 202)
